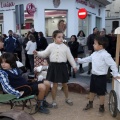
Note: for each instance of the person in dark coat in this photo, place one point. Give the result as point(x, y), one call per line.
point(10, 43)
point(41, 42)
point(34, 33)
point(90, 42)
point(73, 45)
point(27, 63)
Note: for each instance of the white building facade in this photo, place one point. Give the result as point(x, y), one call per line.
point(112, 16)
point(50, 12)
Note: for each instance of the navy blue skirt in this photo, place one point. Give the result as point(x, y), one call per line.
point(57, 73)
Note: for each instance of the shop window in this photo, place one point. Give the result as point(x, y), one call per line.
point(55, 20)
point(98, 23)
point(85, 25)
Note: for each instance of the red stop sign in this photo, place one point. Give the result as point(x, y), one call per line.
point(82, 13)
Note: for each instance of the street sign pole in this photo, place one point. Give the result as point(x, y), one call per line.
point(82, 14)
point(19, 20)
point(19, 11)
point(82, 24)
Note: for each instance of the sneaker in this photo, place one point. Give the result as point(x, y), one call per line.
point(88, 106)
point(54, 105)
point(101, 109)
point(47, 105)
point(69, 102)
point(44, 110)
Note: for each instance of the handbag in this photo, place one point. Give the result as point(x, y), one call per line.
point(80, 49)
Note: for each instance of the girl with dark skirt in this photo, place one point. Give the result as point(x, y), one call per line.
point(58, 54)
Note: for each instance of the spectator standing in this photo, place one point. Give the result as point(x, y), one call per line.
point(27, 63)
point(82, 41)
point(10, 43)
point(4, 36)
point(73, 45)
point(41, 42)
point(1, 46)
point(19, 46)
point(90, 42)
point(34, 33)
point(31, 46)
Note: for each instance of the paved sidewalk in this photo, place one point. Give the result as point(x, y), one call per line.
point(75, 112)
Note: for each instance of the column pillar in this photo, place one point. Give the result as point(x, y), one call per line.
point(9, 21)
point(39, 18)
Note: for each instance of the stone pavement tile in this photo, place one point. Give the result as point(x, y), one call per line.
point(75, 112)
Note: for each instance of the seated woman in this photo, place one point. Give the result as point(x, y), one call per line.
point(10, 79)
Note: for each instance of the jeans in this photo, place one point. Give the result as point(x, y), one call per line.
point(31, 60)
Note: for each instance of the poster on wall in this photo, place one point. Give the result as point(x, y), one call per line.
point(56, 3)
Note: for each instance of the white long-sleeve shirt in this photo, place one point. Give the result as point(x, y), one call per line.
point(31, 46)
point(58, 53)
point(101, 61)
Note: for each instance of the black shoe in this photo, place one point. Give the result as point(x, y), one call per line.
point(47, 105)
point(74, 76)
point(88, 106)
point(101, 109)
point(89, 72)
point(109, 80)
point(81, 70)
point(44, 110)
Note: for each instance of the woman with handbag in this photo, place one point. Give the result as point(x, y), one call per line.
point(81, 50)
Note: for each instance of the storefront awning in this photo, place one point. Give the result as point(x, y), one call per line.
point(104, 2)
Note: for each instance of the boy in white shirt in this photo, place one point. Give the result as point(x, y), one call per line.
point(101, 61)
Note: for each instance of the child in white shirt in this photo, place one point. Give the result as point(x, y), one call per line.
point(31, 46)
point(101, 61)
point(58, 54)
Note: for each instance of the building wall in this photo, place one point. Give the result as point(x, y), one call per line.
point(39, 16)
point(98, 11)
point(114, 7)
point(112, 14)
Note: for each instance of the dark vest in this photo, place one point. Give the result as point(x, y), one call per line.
point(16, 80)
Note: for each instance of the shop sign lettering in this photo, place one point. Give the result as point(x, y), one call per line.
point(7, 4)
point(87, 3)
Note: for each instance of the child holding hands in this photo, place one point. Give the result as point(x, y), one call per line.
point(58, 54)
point(101, 61)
